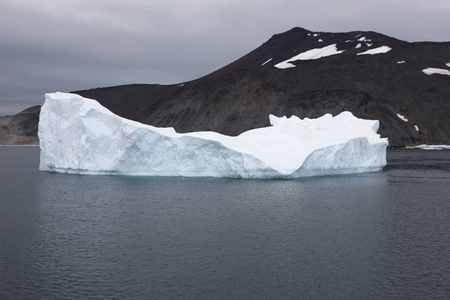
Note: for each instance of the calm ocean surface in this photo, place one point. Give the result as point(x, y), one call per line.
point(383, 235)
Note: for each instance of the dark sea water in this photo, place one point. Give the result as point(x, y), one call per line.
point(383, 235)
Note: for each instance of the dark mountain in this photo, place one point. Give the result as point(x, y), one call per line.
point(241, 95)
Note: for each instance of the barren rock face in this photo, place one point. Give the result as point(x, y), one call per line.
point(20, 129)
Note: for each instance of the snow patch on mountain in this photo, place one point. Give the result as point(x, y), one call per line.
point(401, 117)
point(430, 71)
point(266, 62)
point(429, 147)
point(310, 55)
point(379, 50)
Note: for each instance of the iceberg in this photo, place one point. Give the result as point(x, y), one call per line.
point(79, 136)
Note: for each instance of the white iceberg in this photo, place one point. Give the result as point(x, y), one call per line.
point(79, 136)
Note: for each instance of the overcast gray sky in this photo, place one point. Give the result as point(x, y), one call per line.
point(54, 45)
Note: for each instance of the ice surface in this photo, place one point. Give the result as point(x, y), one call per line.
point(308, 55)
point(382, 49)
point(78, 135)
point(430, 71)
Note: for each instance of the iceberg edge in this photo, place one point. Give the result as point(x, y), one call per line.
point(79, 136)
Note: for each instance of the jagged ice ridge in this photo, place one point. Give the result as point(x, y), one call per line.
point(79, 136)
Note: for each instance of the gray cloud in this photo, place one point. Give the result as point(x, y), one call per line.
point(53, 45)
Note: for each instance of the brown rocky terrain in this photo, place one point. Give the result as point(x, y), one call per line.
point(20, 129)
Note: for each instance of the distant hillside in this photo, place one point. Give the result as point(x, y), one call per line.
point(307, 74)
point(20, 129)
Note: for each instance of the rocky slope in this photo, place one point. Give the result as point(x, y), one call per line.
point(412, 105)
point(20, 129)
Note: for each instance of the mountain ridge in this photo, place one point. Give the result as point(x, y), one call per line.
point(242, 94)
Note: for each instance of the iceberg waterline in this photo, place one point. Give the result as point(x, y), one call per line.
point(79, 136)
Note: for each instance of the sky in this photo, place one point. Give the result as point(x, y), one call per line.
point(53, 45)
